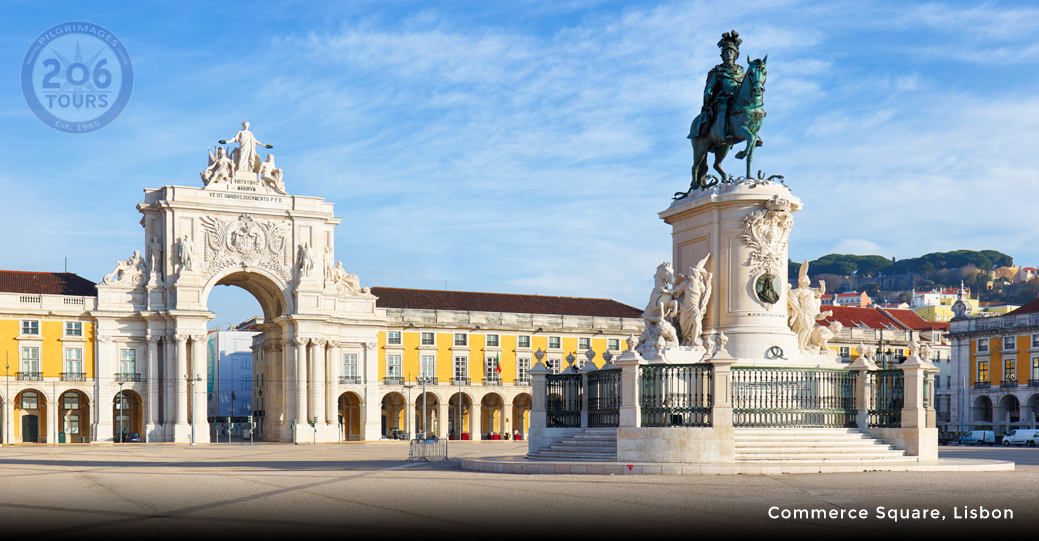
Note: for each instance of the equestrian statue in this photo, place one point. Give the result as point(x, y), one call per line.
point(732, 112)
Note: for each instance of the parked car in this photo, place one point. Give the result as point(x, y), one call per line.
point(132, 437)
point(978, 437)
point(1021, 436)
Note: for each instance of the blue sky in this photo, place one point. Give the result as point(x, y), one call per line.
point(526, 147)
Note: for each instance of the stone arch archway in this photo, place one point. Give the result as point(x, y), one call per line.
point(981, 410)
point(30, 416)
point(460, 416)
point(521, 406)
point(127, 411)
point(350, 416)
point(74, 416)
point(492, 416)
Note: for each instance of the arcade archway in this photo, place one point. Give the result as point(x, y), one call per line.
point(350, 418)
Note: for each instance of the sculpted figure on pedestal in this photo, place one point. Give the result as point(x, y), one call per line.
point(695, 292)
point(221, 168)
point(245, 158)
point(330, 269)
point(155, 257)
point(661, 299)
point(127, 272)
point(271, 176)
point(186, 254)
point(306, 260)
point(804, 304)
point(821, 336)
point(348, 283)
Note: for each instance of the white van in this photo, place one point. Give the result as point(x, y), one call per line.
point(978, 437)
point(1021, 436)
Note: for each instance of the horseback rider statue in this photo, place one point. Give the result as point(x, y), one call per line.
point(723, 82)
point(732, 112)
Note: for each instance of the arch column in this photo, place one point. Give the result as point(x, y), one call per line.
point(332, 383)
point(200, 417)
point(181, 430)
point(103, 370)
point(507, 412)
point(152, 399)
point(317, 386)
point(299, 386)
point(371, 405)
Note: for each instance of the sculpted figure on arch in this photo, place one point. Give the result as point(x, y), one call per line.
point(245, 157)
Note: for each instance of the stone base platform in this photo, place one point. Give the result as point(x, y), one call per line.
point(523, 465)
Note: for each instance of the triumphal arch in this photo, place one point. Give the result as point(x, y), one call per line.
point(238, 227)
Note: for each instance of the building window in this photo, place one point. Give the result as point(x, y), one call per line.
point(245, 365)
point(74, 360)
point(122, 401)
point(350, 365)
point(1035, 369)
point(461, 368)
point(427, 339)
point(491, 370)
point(31, 359)
point(127, 361)
point(427, 366)
point(70, 402)
point(72, 424)
point(73, 328)
point(899, 353)
point(844, 352)
point(554, 365)
point(461, 340)
point(31, 327)
point(393, 338)
point(613, 344)
point(29, 400)
point(982, 345)
point(1035, 340)
point(982, 371)
point(583, 344)
point(393, 366)
point(522, 369)
point(553, 342)
point(1009, 370)
point(523, 342)
point(492, 340)
point(1009, 343)
point(246, 380)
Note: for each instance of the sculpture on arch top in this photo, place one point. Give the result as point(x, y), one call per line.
point(245, 157)
point(129, 272)
point(220, 169)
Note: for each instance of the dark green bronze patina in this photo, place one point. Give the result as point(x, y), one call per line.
point(767, 288)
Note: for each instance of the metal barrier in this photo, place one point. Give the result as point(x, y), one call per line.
point(428, 449)
point(604, 398)
point(793, 397)
point(886, 398)
point(676, 394)
point(565, 392)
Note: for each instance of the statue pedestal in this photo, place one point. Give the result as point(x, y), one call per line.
point(745, 228)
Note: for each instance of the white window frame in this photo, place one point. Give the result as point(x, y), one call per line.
point(523, 341)
point(584, 344)
point(76, 327)
point(30, 359)
point(489, 372)
point(522, 368)
point(26, 396)
point(70, 402)
point(461, 339)
point(30, 327)
point(432, 339)
point(427, 367)
point(350, 365)
point(127, 359)
point(74, 361)
point(394, 338)
point(1035, 340)
point(393, 361)
point(844, 352)
point(1012, 340)
point(558, 341)
point(613, 344)
point(493, 341)
point(460, 367)
point(555, 365)
point(72, 424)
point(981, 345)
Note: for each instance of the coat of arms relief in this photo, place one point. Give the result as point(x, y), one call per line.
point(248, 242)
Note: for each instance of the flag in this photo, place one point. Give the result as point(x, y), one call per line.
point(497, 363)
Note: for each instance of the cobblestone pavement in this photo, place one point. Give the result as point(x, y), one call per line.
point(236, 490)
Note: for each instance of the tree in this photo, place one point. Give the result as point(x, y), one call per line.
point(833, 282)
point(872, 289)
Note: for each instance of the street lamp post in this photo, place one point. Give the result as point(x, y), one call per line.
point(191, 413)
point(230, 416)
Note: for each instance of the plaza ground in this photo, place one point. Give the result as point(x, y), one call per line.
point(241, 490)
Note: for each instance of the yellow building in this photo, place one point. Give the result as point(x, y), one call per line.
point(47, 336)
point(998, 358)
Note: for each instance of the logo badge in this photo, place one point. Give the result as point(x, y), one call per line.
point(77, 77)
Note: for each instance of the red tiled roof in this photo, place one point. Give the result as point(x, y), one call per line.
point(915, 321)
point(856, 316)
point(46, 283)
point(430, 299)
point(1028, 308)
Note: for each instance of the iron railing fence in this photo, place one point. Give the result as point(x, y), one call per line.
point(676, 394)
point(73, 376)
point(424, 450)
point(350, 380)
point(604, 398)
point(793, 397)
point(886, 397)
point(564, 395)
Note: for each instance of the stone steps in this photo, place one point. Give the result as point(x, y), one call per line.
point(589, 445)
point(813, 445)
